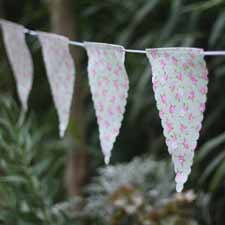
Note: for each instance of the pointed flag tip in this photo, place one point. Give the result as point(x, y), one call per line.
point(179, 187)
point(107, 159)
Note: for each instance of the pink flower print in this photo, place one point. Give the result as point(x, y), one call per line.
point(98, 52)
point(106, 124)
point(181, 159)
point(123, 97)
point(169, 126)
point(154, 53)
point(113, 99)
point(109, 66)
point(185, 144)
point(104, 92)
point(99, 118)
point(179, 94)
point(116, 72)
point(183, 110)
point(110, 111)
point(100, 107)
point(118, 109)
point(163, 99)
point(182, 127)
point(174, 60)
point(116, 84)
point(173, 143)
point(191, 64)
point(119, 68)
point(93, 72)
point(162, 62)
point(205, 75)
point(203, 90)
point(202, 107)
point(180, 76)
point(161, 113)
point(166, 55)
point(193, 78)
point(125, 84)
point(190, 117)
point(154, 84)
point(172, 109)
point(191, 95)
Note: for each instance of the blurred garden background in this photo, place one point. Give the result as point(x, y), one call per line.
point(46, 180)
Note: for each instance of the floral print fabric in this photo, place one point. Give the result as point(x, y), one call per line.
point(19, 58)
point(61, 74)
point(109, 86)
point(179, 81)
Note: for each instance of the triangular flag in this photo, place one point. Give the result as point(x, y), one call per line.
point(61, 74)
point(109, 86)
point(180, 79)
point(19, 58)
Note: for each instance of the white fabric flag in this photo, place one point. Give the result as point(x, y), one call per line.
point(180, 79)
point(61, 74)
point(19, 58)
point(109, 86)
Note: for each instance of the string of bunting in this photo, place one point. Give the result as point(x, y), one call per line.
point(179, 79)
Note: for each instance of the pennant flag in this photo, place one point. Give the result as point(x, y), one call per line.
point(61, 74)
point(109, 86)
point(180, 79)
point(19, 58)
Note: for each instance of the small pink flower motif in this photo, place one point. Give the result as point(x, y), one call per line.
point(181, 159)
point(166, 55)
point(104, 92)
point(179, 94)
point(173, 143)
point(190, 117)
point(174, 60)
point(162, 62)
point(155, 84)
point(98, 52)
point(203, 90)
point(161, 113)
point(125, 84)
point(113, 99)
point(154, 53)
point(119, 68)
point(163, 99)
point(118, 109)
point(100, 107)
point(172, 109)
point(93, 72)
point(122, 96)
point(202, 107)
point(110, 111)
point(191, 64)
point(180, 76)
point(191, 95)
point(106, 124)
point(205, 75)
point(169, 126)
point(109, 67)
point(193, 78)
point(116, 72)
point(99, 118)
point(116, 84)
point(185, 144)
point(182, 127)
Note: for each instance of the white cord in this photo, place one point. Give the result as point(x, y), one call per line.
point(80, 44)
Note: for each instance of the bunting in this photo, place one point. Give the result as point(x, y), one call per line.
point(19, 58)
point(61, 74)
point(180, 85)
point(109, 86)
